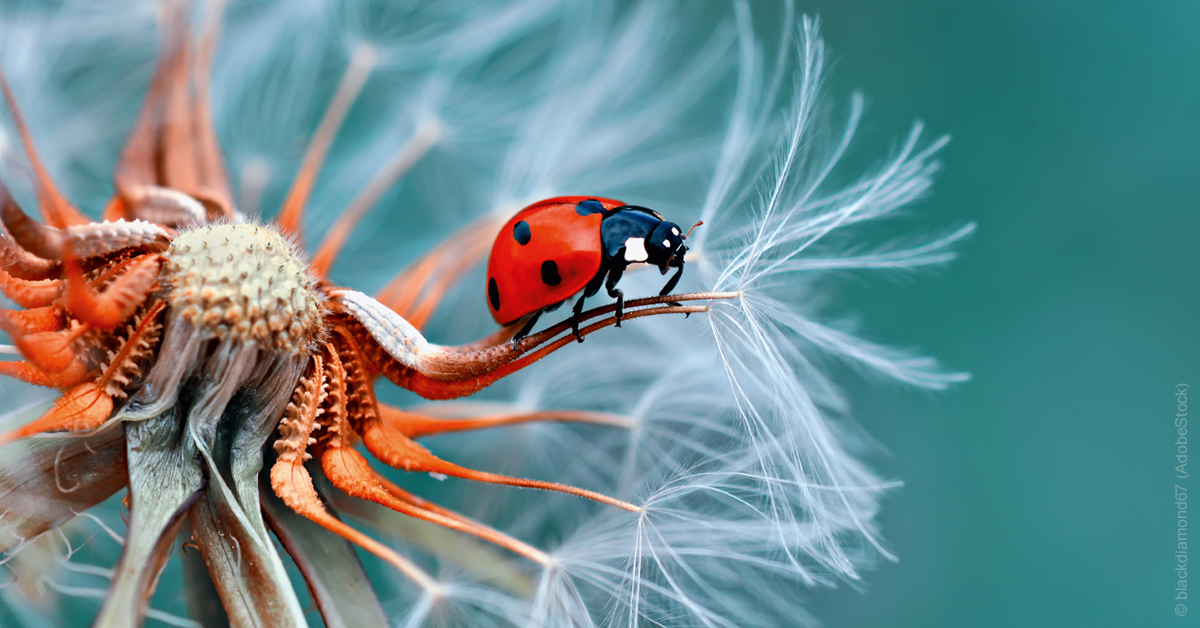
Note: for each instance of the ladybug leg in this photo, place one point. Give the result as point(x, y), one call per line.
point(576, 314)
point(671, 283)
point(589, 291)
point(526, 328)
point(614, 276)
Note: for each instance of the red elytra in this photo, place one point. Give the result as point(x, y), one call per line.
point(545, 254)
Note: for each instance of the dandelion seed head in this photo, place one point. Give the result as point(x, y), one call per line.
point(243, 281)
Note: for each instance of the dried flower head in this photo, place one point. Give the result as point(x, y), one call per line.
point(692, 469)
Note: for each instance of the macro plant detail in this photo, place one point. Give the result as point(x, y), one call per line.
point(210, 364)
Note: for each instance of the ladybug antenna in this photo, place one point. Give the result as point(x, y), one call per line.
point(689, 233)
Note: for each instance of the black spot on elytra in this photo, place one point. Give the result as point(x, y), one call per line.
point(521, 233)
point(589, 207)
point(494, 294)
point(550, 275)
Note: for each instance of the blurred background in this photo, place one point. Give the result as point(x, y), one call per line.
point(1041, 492)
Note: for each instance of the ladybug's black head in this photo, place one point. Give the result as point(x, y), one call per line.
point(664, 246)
point(633, 234)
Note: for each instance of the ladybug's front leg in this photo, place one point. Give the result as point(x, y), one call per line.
point(614, 276)
point(674, 279)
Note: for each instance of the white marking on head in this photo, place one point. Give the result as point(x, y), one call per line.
point(635, 250)
point(666, 244)
point(675, 230)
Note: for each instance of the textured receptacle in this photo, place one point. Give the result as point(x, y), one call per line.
point(242, 317)
point(243, 282)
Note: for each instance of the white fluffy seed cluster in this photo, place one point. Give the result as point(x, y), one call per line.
point(243, 282)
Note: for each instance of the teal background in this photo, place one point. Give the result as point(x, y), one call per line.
point(1039, 493)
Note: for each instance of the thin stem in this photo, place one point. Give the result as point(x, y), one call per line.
point(426, 135)
point(361, 64)
point(554, 330)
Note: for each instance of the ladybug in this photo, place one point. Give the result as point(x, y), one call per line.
point(562, 246)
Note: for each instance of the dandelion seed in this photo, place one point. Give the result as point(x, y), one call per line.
point(685, 470)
